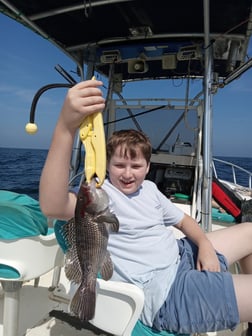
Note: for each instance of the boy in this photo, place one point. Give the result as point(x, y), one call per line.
point(186, 283)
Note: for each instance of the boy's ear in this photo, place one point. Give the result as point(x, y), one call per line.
point(148, 168)
point(107, 168)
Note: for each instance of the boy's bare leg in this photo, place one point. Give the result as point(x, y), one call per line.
point(235, 243)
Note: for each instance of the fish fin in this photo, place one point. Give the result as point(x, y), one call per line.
point(67, 234)
point(111, 221)
point(114, 225)
point(72, 265)
point(83, 302)
point(107, 267)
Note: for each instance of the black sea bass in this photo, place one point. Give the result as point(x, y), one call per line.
point(86, 236)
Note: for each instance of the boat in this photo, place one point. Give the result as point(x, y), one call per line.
point(128, 41)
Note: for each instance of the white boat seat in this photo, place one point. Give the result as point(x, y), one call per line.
point(118, 307)
point(24, 255)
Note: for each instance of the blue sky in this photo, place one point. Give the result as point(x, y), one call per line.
point(27, 63)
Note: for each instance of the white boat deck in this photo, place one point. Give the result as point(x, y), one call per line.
point(39, 308)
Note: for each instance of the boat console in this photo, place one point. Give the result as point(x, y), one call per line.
point(174, 175)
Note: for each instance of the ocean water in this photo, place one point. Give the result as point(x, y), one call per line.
point(20, 169)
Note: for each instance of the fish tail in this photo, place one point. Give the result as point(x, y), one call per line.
point(83, 302)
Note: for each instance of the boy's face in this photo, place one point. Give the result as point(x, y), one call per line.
point(125, 173)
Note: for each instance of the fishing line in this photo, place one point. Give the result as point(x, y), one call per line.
point(138, 114)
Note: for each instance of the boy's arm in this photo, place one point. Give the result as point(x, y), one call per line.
point(55, 199)
point(207, 259)
point(82, 100)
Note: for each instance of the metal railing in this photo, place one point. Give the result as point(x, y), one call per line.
point(236, 174)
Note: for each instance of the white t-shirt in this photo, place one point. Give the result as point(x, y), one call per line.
point(145, 251)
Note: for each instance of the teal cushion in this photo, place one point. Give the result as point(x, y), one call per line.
point(222, 216)
point(8, 272)
point(20, 216)
point(142, 330)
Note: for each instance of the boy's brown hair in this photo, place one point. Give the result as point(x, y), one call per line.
point(130, 141)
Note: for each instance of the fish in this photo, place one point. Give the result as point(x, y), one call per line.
point(86, 237)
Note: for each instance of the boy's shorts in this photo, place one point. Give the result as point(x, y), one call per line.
point(198, 301)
